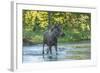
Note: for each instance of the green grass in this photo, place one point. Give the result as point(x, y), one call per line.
point(34, 37)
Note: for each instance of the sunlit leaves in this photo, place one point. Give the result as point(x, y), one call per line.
point(76, 25)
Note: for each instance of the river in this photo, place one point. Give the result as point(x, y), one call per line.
point(66, 52)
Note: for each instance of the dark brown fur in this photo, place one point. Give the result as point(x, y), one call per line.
point(50, 37)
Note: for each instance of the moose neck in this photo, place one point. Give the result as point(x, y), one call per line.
point(55, 34)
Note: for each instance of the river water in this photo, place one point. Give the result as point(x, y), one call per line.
point(68, 51)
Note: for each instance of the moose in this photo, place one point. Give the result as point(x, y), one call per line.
point(50, 37)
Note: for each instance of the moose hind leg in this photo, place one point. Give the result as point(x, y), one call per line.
point(47, 50)
point(56, 49)
point(43, 49)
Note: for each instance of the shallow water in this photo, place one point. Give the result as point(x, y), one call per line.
point(69, 51)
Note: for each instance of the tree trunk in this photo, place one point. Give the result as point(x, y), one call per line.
point(49, 19)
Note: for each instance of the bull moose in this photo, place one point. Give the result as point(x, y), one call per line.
point(50, 37)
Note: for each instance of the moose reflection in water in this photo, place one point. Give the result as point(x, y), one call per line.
point(50, 37)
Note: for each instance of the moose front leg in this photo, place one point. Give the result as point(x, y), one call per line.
point(43, 49)
point(50, 49)
point(47, 50)
point(56, 49)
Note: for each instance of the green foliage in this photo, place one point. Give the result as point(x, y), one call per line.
point(76, 26)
